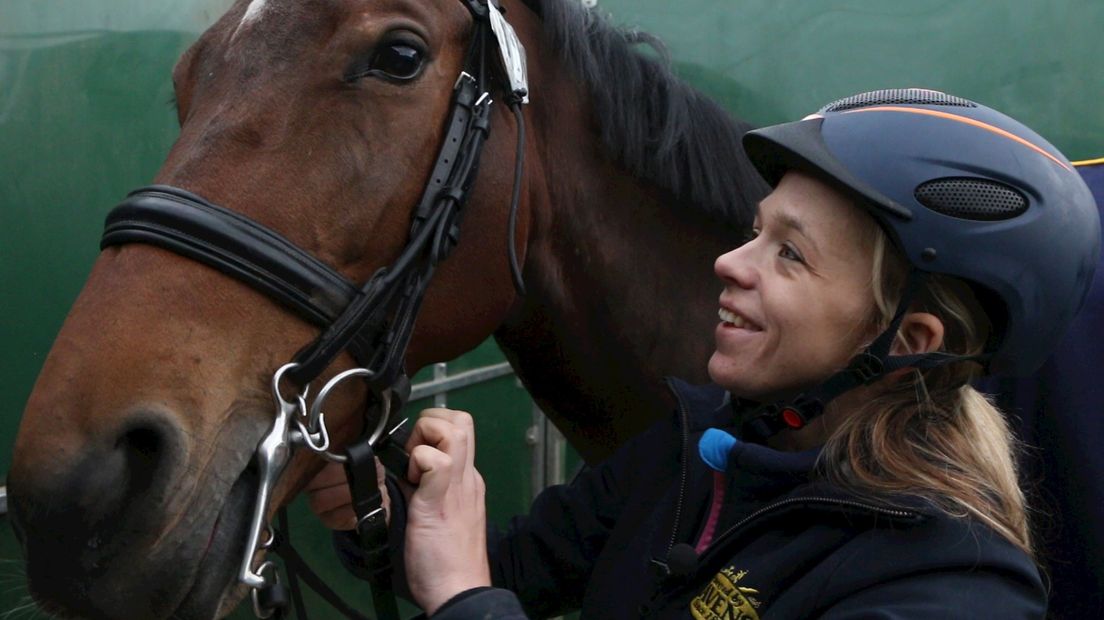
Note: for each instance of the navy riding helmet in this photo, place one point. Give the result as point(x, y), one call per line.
point(962, 190)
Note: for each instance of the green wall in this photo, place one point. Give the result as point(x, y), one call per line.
point(777, 60)
point(84, 115)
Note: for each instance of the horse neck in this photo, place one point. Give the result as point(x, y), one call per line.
point(620, 291)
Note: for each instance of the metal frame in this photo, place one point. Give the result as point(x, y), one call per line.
point(548, 447)
point(443, 383)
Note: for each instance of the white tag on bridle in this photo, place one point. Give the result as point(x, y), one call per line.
point(512, 52)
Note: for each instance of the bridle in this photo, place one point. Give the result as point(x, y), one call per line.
point(373, 322)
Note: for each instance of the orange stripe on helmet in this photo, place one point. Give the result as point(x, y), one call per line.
point(962, 119)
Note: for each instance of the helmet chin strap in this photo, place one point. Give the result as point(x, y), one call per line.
point(865, 368)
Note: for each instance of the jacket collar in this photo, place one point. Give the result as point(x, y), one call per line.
point(711, 407)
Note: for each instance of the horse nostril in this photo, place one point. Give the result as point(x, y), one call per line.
point(145, 453)
point(98, 508)
point(142, 445)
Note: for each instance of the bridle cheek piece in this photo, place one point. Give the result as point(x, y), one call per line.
point(373, 322)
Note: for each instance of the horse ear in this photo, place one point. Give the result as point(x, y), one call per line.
point(920, 332)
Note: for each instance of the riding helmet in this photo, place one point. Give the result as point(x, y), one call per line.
point(962, 190)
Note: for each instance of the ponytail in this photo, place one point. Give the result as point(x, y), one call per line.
point(930, 433)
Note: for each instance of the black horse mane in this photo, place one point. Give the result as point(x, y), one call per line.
point(653, 123)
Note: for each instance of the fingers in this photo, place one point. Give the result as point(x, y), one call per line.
point(331, 475)
point(447, 431)
point(442, 456)
point(330, 498)
point(432, 435)
point(342, 519)
point(460, 419)
point(446, 548)
point(435, 473)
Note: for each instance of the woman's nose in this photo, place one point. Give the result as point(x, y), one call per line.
point(736, 267)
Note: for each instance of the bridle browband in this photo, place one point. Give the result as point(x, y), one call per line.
point(373, 322)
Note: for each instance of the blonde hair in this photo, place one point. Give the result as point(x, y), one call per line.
point(930, 433)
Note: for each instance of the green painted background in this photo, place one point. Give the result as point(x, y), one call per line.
point(770, 61)
point(85, 116)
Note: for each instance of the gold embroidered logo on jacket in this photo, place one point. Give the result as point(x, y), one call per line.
point(724, 599)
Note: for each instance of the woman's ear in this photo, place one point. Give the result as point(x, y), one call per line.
point(920, 332)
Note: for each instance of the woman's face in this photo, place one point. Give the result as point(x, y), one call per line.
point(797, 301)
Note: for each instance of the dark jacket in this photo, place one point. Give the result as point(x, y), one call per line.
point(613, 543)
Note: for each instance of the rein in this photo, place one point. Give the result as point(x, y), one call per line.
point(374, 321)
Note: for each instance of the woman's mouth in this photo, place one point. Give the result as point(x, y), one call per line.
point(735, 320)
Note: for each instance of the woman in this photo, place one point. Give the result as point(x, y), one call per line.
point(844, 467)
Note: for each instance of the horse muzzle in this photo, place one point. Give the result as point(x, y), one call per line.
point(120, 531)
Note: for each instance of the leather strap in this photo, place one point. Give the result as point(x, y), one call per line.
point(865, 368)
point(388, 303)
point(371, 526)
point(184, 223)
point(374, 322)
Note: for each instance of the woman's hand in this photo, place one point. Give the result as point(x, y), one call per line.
point(446, 530)
point(331, 499)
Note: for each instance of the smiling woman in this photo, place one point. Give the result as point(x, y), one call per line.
point(842, 465)
point(798, 294)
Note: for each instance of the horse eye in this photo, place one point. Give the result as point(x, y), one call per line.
point(398, 61)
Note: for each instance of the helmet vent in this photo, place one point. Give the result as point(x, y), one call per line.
point(897, 96)
point(971, 199)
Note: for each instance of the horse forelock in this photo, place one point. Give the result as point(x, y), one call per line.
point(654, 124)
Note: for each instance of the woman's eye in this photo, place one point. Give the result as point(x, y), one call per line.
point(400, 61)
point(789, 253)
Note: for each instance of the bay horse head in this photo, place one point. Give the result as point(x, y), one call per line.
point(319, 121)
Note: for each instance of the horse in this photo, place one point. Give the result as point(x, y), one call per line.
point(135, 464)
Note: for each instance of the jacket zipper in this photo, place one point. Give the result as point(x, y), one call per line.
point(684, 463)
point(718, 543)
point(892, 512)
